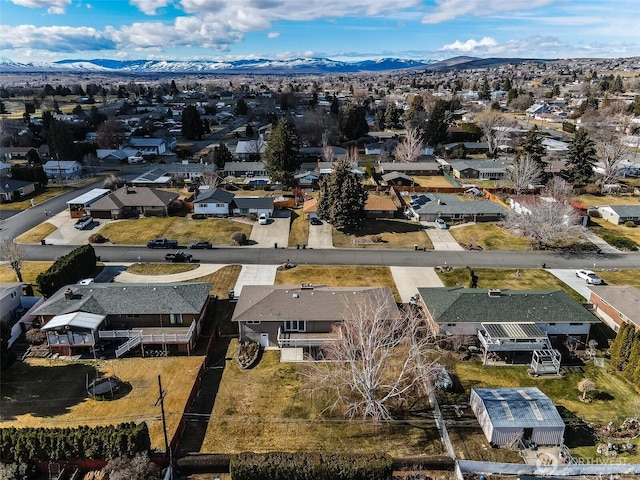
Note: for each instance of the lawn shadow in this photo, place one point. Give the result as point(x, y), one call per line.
point(577, 432)
point(43, 391)
point(377, 227)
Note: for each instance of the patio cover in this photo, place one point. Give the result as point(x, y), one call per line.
point(89, 321)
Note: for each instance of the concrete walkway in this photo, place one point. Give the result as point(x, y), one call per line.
point(201, 271)
point(409, 279)
point(597, 241)
point(255, 275)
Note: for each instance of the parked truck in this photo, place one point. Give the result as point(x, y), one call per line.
point(179, 256)
point(162, 243)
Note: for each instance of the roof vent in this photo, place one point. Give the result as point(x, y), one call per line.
point(494, 292)
point(295, 295)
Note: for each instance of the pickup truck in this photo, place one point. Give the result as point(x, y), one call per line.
point(179, 256)
point(162, 243)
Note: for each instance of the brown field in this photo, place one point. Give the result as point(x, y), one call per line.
point(50, 393)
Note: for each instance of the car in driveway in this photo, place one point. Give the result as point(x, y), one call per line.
point(200, 245)
point(315, 221)
point(589, 277)
point(83, 222)
point(440, 223)
point(262, 219)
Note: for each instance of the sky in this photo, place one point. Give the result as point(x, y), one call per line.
point(219, 30)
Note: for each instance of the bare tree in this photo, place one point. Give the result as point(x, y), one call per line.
point(544, 221)
point(136, 468)
point(13, 253)
point(558, 188)
point(381, 359)
point(255, 147)
point(523, 173)
point(110, 134)
point(611, 151)
point(410, 148)
point(210, 178)
point(113, 182)
point(489, 121)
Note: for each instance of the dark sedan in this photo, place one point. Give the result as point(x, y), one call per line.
point(200, 245)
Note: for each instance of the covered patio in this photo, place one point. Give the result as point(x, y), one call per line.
point(511, 338)
point(73, 332)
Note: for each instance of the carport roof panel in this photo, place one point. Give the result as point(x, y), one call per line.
point(89, 196)
point(514, 330)
point(86, 320)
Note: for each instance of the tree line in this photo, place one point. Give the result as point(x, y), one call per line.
point(625, 353)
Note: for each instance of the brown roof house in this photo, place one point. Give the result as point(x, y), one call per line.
point(377, 206)
point(112, 318)
point(298, 319)
point(617, 304)
point(132, 202)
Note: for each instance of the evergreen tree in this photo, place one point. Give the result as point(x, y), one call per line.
point(392, 116)
point(436, 128)
point(532, 145)
point(282, 152)
point(241, 108)
point(634, 358)
point(191, 124)
point(345, 197)
point(484, 93)
point(353, 122)
point(616, 345)
point(323, 206)
point(335, 107)
point(60, 140)
point(416, 116)
point(626, 347)
point(222, 155)
point(581, 159)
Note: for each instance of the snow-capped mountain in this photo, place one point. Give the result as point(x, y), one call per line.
point(262, 65)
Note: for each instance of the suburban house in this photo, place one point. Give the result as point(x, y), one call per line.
point(20, 153)
point(411, 168)
point(248, 148)
point(78, 206)
point(515, 417)
point(306, 178)
point(12, 190)
point(116, 157)
point(188, 171)
point(427, 207)
point(63, 169)
point(479, 169)
point(14, 304)
point(149, 146)
point(157, 177)
point(379, 206)
point(620, 214)
point(241, 206)
point(82, 319)
point(398, 179)
point(245, 169)
point(617, 304)
point(132, 202)
point(469, 311)
point(298, 317)
point(537, 109)
point(213, 202)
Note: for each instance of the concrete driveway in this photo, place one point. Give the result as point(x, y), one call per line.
point(569, 277)
point(441, 239)
point(66, 234)
point(276, 231)
point(320, 236)
point(409, 279)
point(255, 275)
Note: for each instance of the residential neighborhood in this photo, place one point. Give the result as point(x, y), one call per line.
point(369, 264)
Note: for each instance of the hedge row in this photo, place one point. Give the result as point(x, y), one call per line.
point(77, 264)
point(310, 466)
point(25, 445)
point(620, 242)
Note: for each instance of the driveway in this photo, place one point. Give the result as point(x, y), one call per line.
point(320, 236)
point(276, 231)
point(409, 279)
point(441, 239)
point(255, 275)
point(569, 277)
point(66, 234)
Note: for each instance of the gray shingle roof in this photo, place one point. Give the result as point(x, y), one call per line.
point(129, 298)
point(9, 185)
point(450, 205)
point(519, 407)
point(135, 197)
point(624, 298)
point(269, 303)
point(252, 202)
point(626, 210)
point(215, 195)
point(457, 305)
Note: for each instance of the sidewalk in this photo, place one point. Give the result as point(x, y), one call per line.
point(201, 271)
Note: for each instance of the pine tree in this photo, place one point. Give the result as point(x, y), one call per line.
point(342, 197)
point(616, 345)
point(532, 145)
point(191, 124)
point(222, 155)
point(621, 347)
point(324, 205)
point(282, 152)
point(581, 159)
point(353, 122)
point(484, 93)
point(634, 358)
point(436, 128)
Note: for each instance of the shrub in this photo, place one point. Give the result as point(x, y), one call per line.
point(620, 242)
point(630, 223)
point(592, 189)
point(35, 336)
point(238, 238)
point(97, 238)
point(198, 216)
point(77, 264)
point(17, 471)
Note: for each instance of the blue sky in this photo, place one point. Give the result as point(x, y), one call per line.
point(49, 30)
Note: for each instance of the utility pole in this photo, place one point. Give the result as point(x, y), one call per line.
point(161, 395)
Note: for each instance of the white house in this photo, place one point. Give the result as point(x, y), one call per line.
point(149, 146)
point(65, 169)
point(214, 203)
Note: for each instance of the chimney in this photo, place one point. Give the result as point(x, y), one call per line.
point(68, 294)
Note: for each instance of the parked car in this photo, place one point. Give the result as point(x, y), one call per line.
point(262, 220)
point(162, 243)
point(440, 223)
point(589, 277)
point(315, 221)
point(201, 245)
point(83, 222)
point(85, 281)
point(179, 256)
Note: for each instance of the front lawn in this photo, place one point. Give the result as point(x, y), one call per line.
point(51, 393)
point(601, 228)
point(37, 233)
point(489, 236)
point(620, 277)
point(161, 268)
point(520, 279)
point(185, 230)
point(384, 234)
point(597, 200)
point(273, 412)
point(38, 198)
point(30, 271)
point(299, 231)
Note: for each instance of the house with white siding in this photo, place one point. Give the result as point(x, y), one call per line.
point(213, 202)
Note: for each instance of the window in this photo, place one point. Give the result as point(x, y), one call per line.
point(221, 205)
point(451, 324)
point(253, 322)
point(202, 205)
point(294, 326)
point(552, 324)
point(175, 318)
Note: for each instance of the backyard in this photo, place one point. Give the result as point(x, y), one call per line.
point(384, 234)
point(51, 393)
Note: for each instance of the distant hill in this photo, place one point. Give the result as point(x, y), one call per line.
point(467, 63)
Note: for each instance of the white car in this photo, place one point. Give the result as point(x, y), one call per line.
point(589, 277)
point(440, 223)
point(262, 220)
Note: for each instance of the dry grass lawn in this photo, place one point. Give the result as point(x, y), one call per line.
point(30, 270)
point(489, 236)
point(596, 200)
point(432, 181)
point(222, 280)
point(272, 412)
point(37, 199)
point(299, 231)
point(49, 393)
point(522, 279)
point(391, 233)
point(602, 227)
point(620, 277)
point(37, 233)
point(161, 268)
point(339, 276)
point(184, 230)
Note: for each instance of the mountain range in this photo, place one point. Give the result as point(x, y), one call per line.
point(253, 66)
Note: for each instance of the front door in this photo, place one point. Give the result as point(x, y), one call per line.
point(264, 340)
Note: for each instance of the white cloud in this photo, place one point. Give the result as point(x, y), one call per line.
point(470, 45)
point(54, 39)
point(54, 7)
point(451, 9)
point(149, 7)
point(273, 34)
